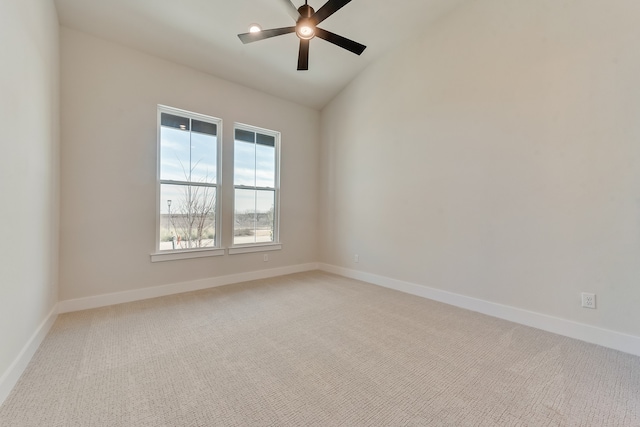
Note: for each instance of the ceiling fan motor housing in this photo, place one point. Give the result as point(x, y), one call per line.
point(306, 11)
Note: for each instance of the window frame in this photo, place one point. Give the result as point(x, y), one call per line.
point(173, 254)
point(275, 244)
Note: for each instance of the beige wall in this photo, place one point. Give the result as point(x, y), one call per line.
point(29, 188)
point(497, 157)
point(109, 99)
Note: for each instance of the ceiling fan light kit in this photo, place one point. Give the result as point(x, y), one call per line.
point(306, 28)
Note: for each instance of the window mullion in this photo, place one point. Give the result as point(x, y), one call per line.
point(190, 150)
point(255, 190)
point(190, 213)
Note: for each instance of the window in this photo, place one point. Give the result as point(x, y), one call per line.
point(255, 182)
point(189, 180)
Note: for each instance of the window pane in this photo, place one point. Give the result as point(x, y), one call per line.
point(202, 223)
point(267, 140)
point(172, 198)
point(245, 135)
point(204, 127)
point(187, 216)
point(203, 157)
point(244, 217)
point(244, 163)
point(170, 120)
point(265, 166)
point(174, 154)
point(265, 215)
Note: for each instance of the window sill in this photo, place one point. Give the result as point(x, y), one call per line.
point(245, 249)
point(185, 254)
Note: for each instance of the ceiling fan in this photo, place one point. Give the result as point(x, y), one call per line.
point(306, 28)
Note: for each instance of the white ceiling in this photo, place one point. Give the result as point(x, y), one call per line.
point(202, 34)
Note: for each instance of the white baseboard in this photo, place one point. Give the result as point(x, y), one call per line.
point(592, 334)
point(103, 300)
point(11, 376)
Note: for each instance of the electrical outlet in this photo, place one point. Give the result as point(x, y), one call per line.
point(265, 257)
point(588, 300)
point(356, 258)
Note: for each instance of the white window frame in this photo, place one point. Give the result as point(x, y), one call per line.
point(264, 246)
point(217, 250)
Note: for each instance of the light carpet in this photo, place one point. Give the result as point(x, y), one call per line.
point(315, 349)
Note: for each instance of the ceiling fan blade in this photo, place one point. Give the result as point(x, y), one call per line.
point(343, 42)
point(265, 34)
point(303, 55)
point(328, 9)
point(291, 9)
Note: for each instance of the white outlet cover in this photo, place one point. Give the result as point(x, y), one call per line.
point(588, 300)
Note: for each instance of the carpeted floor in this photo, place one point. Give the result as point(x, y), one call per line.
point(315, 349)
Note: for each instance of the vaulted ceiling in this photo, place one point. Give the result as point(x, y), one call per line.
point(202, 34)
